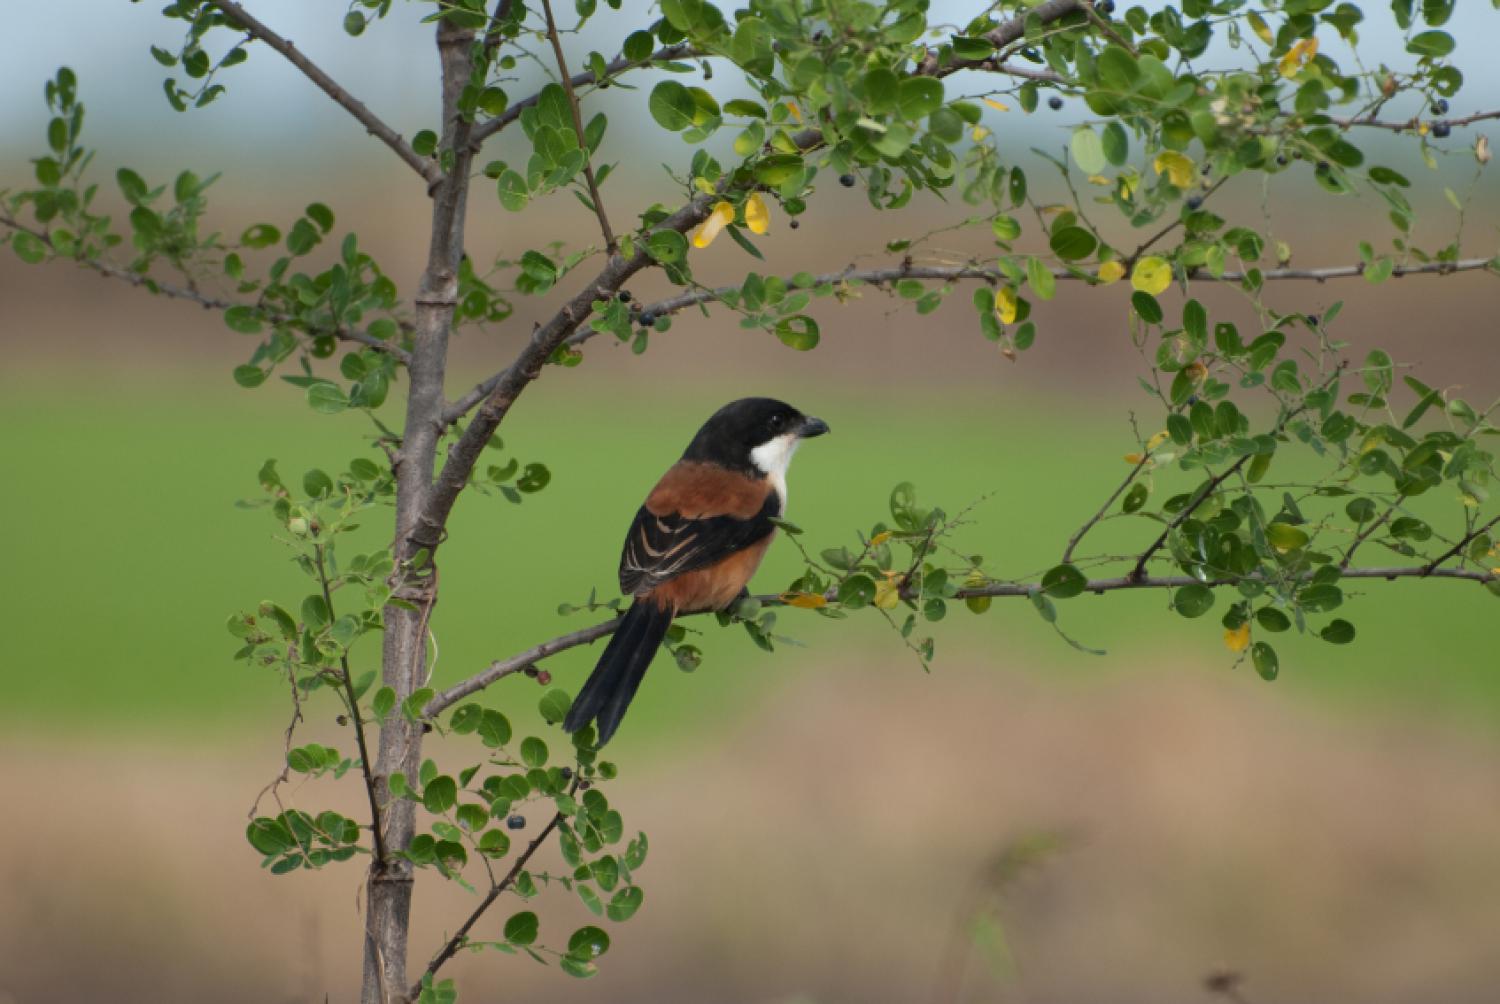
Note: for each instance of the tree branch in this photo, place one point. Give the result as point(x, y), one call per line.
point(1431, 567)
point(501, 668)
point(451, 948)
point(1139, 571)
point(1093, 520)
point(508, 385)
point(957, 273)
point(583, 143)
point(1411, 124)
point(424, 166)
point(191, 295)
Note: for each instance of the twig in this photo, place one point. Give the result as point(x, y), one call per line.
point(1093, 521)
point(1374, 525)
point(1432, 566)
point(1213, 483)
point(1106, 30)
point(615, 66)
point(174, 292)
point(1413, 123)
point(366, 765)
point(424, 166)
point(954, 273)
point(501, 668)
point(451, 948)
point(583, 143)
point(1146, 245)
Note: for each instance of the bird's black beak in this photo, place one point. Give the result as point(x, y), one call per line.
point(812, 427)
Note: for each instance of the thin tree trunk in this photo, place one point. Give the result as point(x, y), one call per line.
point(389, 885)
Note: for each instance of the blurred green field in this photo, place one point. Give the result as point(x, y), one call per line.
point(127, 552)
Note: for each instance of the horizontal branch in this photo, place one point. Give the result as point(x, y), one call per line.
point(501, 668)
point(174, 292)
point(424, 166)
point(1414, 123)
point(987, 273)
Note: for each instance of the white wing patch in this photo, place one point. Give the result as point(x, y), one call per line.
point(772, 459)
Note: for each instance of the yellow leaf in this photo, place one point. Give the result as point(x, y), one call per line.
point(1151, 275)
point(721, 216)
point(1005, 305)
point(1423, 129)
point(996, 105)
point(980, 134)
point(1297, 57)
point(805, 601)
point(796, 112)
point(1482, 150)
point(1261, 29)
point(887, 594)
point(1237, 639)
point(1157, 440)
point(880, 538)
point(1134, 458)
point(704, 185)
point(757, 218)
point(1101, 180)
point(1178, 167)
point(1110, 271)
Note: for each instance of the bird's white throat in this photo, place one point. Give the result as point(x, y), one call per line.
point(773, 457)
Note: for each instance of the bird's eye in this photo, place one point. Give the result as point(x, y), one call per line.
point(777, 421)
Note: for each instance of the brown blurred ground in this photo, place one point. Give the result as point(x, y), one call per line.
point(817, 852)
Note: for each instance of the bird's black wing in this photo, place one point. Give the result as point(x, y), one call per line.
point(660, 548)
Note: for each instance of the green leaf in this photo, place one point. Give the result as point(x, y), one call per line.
point(667, 246)
point(1064, 582)
point(1431, 43)
point(242, 318)
point(382, 703)
point(1285, 537)
point(28, 248)
point(1040, 277)
point(1073, 244)
point(466, 719)
point(624, 904)
point(1193, 601)
point(798, 331)
point(1264, 658)
point(1116, 144)
point(1338, 632)
point(494, 729)
point(327, 398)
point(588, 943)
point(1088, 150)
point(554, 705)
point(918, 97)
point(1146, 307)
point(672, 106)
point(440, 794)
point(521, 928)
point(533, 751)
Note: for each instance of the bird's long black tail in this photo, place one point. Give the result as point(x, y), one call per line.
point(613, 683)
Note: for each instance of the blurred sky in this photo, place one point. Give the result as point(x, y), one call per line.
point(108, 42)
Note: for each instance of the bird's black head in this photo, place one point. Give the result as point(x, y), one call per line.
point(754, 435)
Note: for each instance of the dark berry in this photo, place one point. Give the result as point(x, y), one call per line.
point(1054, 102)
point(585, 785)
point(1312, 320)
point(426, 727)
point(516, 822)
point(1323, 166)
point(1281, 160)
point(1441, 130)
point(567, 773)
point(544, 678)
point(530, 671)
point(847, 180)
point(624, 296)
point(1194, 202)
point(648, 318)
point(1440, 106)
point(793, 224)
point(1105, 6)
point(1296, 154)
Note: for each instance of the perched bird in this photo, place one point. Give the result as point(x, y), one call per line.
point(696, 542)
